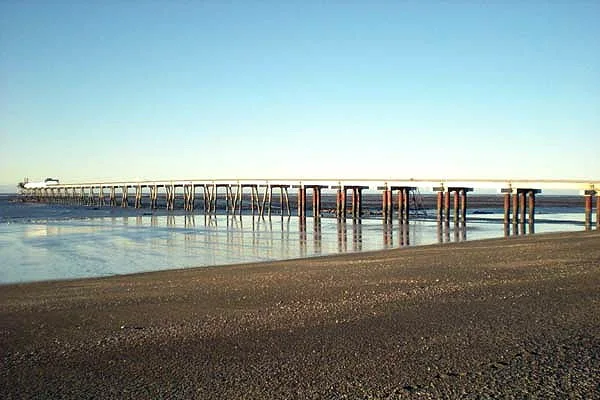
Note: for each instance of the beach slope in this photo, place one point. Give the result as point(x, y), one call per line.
point(502, 318)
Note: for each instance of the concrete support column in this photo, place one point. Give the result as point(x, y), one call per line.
point(447, 207)
point(531, 206)
point(440, 206)
point(240, 196)
point(588, 196)
point(456, 204)
point(390, 204)
point(338, 203)
point(138, 196)
point(302, 201)
point(384, 204)
point(192, 203)
point(597, 212)
point(516, 209)
point(343, 204)
point(192, 200)
point(354, 199)
point(406, 205)
point(270, 203)
point(401, 207)
point(522, 206)
point(359, 204)
point(356, 202)
point(124, 201)
point(588, 210)
point(317, 202)
point(463, 205)
point(507, 208)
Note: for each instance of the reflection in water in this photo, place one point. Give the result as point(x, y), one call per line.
point(302, 235)
point(189, 221)
point(317, 248)
point(356, 234)
point(342, 236)
point(171, 220)
point(388, 239)
point(519, 229)
point(404, 234)
point(459, 232)
point(111, 245)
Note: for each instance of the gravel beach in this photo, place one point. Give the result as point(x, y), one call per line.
point(503, 318)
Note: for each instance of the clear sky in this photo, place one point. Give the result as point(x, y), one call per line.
point(322, 89)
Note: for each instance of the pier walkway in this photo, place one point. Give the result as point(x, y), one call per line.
point(229, 194)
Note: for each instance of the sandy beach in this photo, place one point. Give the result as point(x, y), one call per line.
point(501, 318)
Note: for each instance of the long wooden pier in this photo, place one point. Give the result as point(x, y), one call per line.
point(228, 195)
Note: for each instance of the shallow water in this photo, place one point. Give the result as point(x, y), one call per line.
point(48, 242)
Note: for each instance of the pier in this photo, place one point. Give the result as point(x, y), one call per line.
point(268, 197)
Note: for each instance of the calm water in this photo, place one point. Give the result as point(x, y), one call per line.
point(48, 242)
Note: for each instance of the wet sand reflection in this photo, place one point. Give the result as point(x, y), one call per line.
point(243, 237)
point(518, 229)
point(459, 232)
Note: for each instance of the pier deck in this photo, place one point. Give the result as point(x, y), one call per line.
point(519, 195)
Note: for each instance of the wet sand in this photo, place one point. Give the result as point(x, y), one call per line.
point(501, 318)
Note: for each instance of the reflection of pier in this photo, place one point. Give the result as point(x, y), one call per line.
point(229, 196)
point(459, 233)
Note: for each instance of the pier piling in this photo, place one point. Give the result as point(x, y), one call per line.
point(597, 211)
point(588, 196)
point(440, 205)
point(124, 200)
point(507, 197)
point(520, 200)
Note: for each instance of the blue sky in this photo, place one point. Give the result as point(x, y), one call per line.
point(309, 89)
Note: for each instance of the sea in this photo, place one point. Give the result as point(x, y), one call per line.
point(41, 242)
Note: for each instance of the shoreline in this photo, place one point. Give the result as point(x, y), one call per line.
point(331, 257)
point(490, 317)
point(266, 263)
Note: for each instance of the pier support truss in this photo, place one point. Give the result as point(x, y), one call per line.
point(267, 202)
point(138, 196)
point(237, 206)
point(459, 207)
point(170, 196)
point(189, 197)
point(154, 197)
point(124, 199)
point(341, 209)
point(387, 202)
point(404, 193)
point(523, 206)
point(316, 199)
